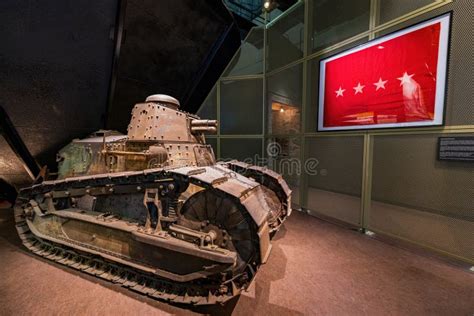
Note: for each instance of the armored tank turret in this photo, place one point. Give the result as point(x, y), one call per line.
point(154, 212)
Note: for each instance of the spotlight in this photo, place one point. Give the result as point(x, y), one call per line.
point(282, 110)
point(269, 5)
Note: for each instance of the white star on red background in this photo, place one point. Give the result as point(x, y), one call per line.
point(358, 88)
point(406, 78)
point(340, 92)
point(380, 84)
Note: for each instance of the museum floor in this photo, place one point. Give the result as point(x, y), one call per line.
point(315, 268)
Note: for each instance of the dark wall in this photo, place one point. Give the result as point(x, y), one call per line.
point(165, 45)
point(55, 66)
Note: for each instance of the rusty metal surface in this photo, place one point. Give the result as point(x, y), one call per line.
point(153, 210)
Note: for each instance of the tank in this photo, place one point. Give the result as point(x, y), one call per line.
point(154, 212)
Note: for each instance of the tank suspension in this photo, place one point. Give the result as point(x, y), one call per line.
point(169, 195)
point(155, 210)
point(173, 208)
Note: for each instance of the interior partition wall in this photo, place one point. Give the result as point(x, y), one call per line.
point(389, 182)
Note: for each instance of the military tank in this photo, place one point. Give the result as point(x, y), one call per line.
point(154, 212)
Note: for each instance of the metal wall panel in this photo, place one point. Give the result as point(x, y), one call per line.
point(417, 197)
point(392, 9)
point(337, 20)
point(282, 154)
point(248, 150)
point(249, 58)
point(208, 109)
point(285, 39)
point(241, 107)
point(335, 188)
point(284, 101)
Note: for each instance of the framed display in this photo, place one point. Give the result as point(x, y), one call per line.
point(398, 80)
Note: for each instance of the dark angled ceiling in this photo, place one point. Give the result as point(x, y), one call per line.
point(55, 66)
point(167, 47)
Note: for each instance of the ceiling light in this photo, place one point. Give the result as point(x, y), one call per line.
point(269, 5)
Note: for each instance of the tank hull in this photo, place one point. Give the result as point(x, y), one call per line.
point(85, 223)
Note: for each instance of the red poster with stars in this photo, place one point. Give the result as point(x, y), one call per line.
point(397, 80)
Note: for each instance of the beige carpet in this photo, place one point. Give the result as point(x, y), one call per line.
point(315, 268)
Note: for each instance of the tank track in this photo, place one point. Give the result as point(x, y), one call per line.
point(268, 178)
point(195, 292)
point(146, 284)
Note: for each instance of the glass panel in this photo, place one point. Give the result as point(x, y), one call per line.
point(249, 58)
point(248, 150)
point(392, 9)
point(284, 97)
point(286, 39)
point(208, 109)
point(421, 199)
point(335, 176)
point(283, 156)
point(274, 14)
point(337, 20)
point(311, 116)
point(241, 106)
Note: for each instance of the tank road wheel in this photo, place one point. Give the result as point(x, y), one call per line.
point(235, 230)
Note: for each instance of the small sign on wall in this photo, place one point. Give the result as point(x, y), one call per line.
point(459, 148)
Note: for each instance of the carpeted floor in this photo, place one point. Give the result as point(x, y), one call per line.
point(316, 268)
